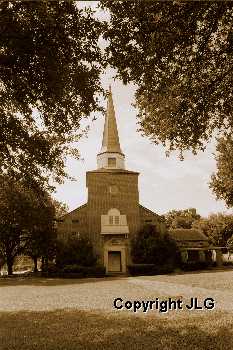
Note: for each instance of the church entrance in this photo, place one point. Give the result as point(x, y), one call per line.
point(114, 261)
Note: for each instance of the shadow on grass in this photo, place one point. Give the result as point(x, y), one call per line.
point(75, 330)
point(42, 281)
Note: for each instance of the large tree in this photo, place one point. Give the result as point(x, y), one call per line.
point(26, 221)
point(179, 55)
point(50, 66)
point(218, 227)
point(222, 181)
point(149, 246)
point(15, 219)
point(41, 234)
point(181, 218)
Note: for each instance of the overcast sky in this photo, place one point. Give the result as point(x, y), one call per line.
point(164, 183)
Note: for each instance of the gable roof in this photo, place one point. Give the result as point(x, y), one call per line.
point(72, 211)
point(182, 234)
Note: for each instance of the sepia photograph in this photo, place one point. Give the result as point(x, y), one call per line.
point(116, 175)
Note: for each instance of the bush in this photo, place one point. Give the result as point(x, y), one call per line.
point(194, 265)
point(76, 251)
point(152, 247)
point(95, 271)
point(84, 271)
point(149, 269)
point(51, 270)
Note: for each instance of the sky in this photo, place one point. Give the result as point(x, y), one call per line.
point(165, 183)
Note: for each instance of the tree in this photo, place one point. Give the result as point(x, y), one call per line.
point(218, 227)
point(179, 55)
point(151, 247)
point(222, 182)
point(76, 251)
point(15, 219)
point(229, 246)
point(181, 218)
point(60, 208)
point(26, 222)
point(41, 238)
point(50, 66)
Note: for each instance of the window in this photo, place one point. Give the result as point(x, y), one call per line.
point(148, 220)
point(117, 220)
point(75, 221)
point(113, 189)
point(112, 162)
point(110, 220)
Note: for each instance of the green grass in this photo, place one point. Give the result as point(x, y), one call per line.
point(74, 330)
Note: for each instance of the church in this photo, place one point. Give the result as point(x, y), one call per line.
point(112, 214)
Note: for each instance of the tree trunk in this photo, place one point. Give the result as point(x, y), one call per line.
point(10, 263)
point(35, 264)
point(46, 261)
point(42, 263)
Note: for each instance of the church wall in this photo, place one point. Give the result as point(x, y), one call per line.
point(147, 217)
point(101, 199)
point(73, 224)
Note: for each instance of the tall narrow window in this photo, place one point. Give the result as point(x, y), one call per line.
point(110, 220)
point(117, 220)
point(112, 162)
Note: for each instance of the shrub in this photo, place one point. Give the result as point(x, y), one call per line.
point(76, 251)
point(83, 271)
point(195, 265)
point(149, 269)
point(152, 247)
point(73, 269)
point(50, 270)
point(95, 271)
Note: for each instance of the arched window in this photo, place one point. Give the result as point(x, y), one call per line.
point(114, 216)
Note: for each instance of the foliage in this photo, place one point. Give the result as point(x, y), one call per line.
point(84, 271)
point(195, 265)
point(149, 269)
point(76, 251)
point(222, 181)
point(152, 247)
point(179, 55)
point(229, 244)
point(218, 227)
point(60, 208)
point(50, 66)
point(16, 213)
point(181, 218)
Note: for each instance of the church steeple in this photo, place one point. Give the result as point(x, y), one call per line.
point(110, 155)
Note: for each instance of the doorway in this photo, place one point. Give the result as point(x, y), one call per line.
point(114, 261)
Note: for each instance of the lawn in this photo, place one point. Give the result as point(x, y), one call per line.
point(54, 314)
point(74, 330)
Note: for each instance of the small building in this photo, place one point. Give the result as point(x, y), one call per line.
point(194, 246)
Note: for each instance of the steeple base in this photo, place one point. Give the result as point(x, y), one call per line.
point(110, 160)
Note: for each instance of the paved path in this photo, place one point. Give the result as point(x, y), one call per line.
point(100, 294)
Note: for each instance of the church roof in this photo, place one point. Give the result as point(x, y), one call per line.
point(182, 234)
point(110, 143)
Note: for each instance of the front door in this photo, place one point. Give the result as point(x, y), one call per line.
point(114, 261)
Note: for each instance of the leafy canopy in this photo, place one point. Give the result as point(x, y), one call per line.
point(150, 246)
point(26, 220)
point(179, 55)
point(218, 227)
point(181, 218)
point(222, 181)
point(50, 66)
